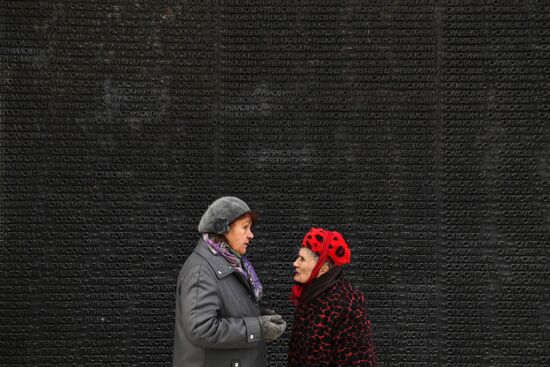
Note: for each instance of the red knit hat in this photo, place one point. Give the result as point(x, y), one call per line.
point(338, 250)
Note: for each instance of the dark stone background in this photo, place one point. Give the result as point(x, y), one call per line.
point(419, 129)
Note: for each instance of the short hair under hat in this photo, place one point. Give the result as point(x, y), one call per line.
point(220, 214)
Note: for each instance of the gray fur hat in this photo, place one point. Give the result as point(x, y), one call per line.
point(221, 213)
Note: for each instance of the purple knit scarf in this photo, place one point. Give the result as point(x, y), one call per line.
point(242, 266)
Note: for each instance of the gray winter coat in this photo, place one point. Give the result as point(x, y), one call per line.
point(216, 316)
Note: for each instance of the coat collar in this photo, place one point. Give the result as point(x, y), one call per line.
point(220, 266)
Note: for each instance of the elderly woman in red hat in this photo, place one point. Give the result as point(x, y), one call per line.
point(331, 324)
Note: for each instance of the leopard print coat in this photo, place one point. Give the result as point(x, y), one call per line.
point(333, 330)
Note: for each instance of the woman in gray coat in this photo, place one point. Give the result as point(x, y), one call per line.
point(218, 318)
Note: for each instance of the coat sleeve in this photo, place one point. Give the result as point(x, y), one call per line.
point(200, 311)
point(354, 337)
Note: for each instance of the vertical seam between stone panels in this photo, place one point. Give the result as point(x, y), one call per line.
point(217, 119)
point(438, 100)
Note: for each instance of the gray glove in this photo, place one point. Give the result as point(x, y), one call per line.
point(272, 326)
point(267, 311)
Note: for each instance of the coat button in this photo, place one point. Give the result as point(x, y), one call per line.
point(219, 271)
point(251, 336)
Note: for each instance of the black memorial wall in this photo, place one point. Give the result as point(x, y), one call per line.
point(419, 129)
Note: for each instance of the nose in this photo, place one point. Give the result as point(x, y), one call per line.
point(250, 234)
point(294, 263)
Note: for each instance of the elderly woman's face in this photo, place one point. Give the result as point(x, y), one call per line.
point(304, 264)
point(240, 234)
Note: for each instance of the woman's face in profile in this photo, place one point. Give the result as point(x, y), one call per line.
point(304, 264)
point(240, 234)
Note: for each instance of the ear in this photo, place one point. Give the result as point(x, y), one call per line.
point(324, 268)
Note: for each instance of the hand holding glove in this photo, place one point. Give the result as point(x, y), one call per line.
point(272, 326)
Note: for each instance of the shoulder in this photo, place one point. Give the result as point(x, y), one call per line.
point(209, 264)
point(202, 255)
point(194, 267)
point(196, 261)
point(340, 293)
point(347, 294)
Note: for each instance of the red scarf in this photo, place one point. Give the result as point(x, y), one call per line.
point(297, 289)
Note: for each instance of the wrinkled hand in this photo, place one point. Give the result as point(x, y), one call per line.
point(272, 326)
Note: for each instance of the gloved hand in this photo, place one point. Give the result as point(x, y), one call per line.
point(272, 326)
point(267, 311)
